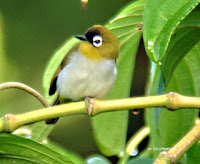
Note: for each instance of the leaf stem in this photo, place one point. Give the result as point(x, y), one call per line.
point(133, 143)
point(174, 154)
point(137, 139)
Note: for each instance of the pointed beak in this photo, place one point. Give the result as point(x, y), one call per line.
point(81, 37)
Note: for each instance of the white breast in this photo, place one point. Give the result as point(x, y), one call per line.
point(83, 77)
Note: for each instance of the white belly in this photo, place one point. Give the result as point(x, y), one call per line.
point(82, 77)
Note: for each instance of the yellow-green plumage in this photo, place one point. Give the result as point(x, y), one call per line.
point(109, 48)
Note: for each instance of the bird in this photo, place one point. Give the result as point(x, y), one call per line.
point(88, 69)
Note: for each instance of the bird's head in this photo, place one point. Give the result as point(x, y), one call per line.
point(99, 43)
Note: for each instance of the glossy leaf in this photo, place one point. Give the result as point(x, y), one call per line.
point(187, 35)
point(180, 44)
point(185, 80)
point(192, 20)
point(18, 149)
point(40, 131)
point(77, 159)
point(161, 17)
point(110, 128)
point(164, 123)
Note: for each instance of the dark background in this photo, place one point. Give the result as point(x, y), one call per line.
point(30, 31)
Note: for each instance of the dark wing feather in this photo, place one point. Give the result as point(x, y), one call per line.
point(53, 87)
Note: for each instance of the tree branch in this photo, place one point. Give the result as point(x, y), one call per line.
point(172, 101)
point(92, 107)
point(11, 122)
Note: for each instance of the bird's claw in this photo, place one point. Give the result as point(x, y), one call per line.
point(89, 105)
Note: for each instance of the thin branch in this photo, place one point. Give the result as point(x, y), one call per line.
point(26, 88)
point(174, 154)
point(136, 139)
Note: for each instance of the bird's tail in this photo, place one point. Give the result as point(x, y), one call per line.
point(53, 120)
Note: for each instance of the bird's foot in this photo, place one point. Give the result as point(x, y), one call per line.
point(89, 105)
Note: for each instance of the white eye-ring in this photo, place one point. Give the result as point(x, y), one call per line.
point(97, 41)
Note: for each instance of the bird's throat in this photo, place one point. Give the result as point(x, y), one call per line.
point(90, 52)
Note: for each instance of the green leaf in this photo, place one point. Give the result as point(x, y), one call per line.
point(192, 20)
point(185, 80)
point(110, 128)
point(180, 44)
point(152, 115)
point(187, 35)
point(77, 159)
point(161, 17)
point(17, 149)
point(142, 160)
point(193, 154)
point(15, 159)
point(163, 123)
point(40, 131)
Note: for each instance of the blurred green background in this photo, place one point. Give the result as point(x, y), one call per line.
point(30, 31)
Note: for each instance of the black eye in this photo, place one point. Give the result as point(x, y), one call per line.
point(97, 41)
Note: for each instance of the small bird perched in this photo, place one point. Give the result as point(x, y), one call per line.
point(89, 68)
